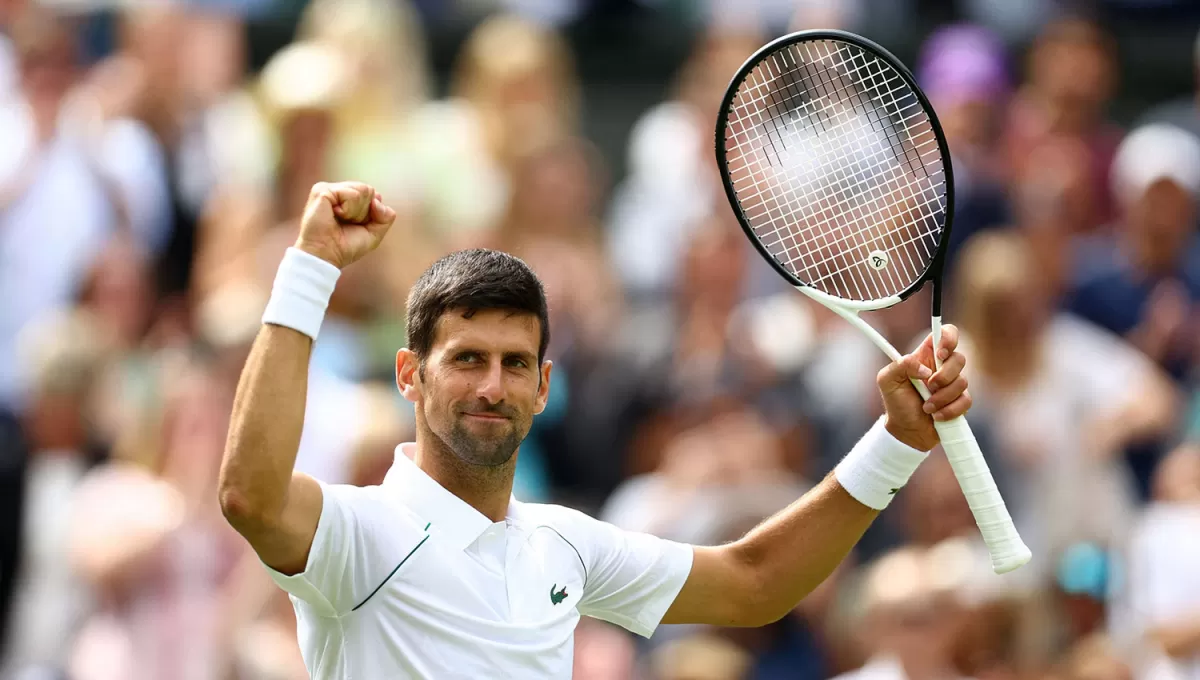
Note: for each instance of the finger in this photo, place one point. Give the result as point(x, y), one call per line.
point(949, 372)
point(903, 371)
point(352, 201)
point(944, 397)
point(958, 407)
point(924, 352)
point(949, 341)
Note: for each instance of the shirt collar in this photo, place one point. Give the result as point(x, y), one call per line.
point(449, 515)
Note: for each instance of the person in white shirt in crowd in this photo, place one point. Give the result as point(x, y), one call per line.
point(439, 571)
point(1063, 397)
point(1164, 565)
point(908, 622)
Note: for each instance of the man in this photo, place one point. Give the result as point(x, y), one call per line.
point(439, 572)
point(1143, 282)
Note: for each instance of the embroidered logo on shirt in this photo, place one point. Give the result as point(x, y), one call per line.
point(561, 595)
point(893, 491)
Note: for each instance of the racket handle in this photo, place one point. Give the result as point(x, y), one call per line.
point(1004, 544)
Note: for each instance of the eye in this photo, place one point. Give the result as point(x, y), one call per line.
point(515, 362)
point(467, 358)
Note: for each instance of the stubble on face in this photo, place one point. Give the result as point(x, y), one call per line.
point(479, 443)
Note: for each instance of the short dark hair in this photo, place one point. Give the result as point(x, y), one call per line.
point(473, 280)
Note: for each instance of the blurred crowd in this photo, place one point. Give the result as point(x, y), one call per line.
point(149, 189)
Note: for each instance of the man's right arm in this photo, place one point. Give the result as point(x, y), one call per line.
point(274, 508)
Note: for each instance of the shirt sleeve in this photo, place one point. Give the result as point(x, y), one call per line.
point(360, 540)
point(632, 577)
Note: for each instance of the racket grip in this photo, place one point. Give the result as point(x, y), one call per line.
point(1007, 550)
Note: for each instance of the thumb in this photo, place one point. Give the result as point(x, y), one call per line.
point(382, 216)
point(899, 374)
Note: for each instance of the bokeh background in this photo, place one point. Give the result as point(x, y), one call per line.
point(154, 160)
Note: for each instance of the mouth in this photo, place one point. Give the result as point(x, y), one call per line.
point(488, 417)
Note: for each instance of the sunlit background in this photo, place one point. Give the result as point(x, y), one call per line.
point(154, 160)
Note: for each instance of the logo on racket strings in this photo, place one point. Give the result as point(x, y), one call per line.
point(877, 259)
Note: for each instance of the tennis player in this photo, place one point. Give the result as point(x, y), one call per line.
point(439, 572)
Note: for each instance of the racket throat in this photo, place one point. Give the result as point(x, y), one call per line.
point(936, 322)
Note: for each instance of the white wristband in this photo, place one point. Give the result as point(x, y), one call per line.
point(877, 467)
point(301, 292)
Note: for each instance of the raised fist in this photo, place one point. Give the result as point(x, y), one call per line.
point(343, 222)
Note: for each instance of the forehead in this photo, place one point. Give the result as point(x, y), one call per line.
point(498, 330)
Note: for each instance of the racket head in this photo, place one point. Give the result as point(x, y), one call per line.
point(758, 114)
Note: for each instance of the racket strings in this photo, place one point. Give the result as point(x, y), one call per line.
point(834, 161)
point(825, 86)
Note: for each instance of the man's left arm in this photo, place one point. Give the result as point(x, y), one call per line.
point(762, 576)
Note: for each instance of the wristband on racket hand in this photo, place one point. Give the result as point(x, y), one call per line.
point(303, 285)
point(877, 467)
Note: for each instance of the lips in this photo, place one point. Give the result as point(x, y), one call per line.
point(487, 416)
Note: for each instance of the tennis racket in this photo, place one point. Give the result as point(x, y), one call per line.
point(839, 173)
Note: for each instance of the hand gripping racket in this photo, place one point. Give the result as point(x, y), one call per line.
point(839, 173)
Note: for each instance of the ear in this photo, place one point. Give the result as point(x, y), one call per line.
point(408, 378)
point(543, 388)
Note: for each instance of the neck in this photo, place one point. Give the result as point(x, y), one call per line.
point(487, 489)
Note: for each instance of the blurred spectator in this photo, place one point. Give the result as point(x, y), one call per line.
point(1073, 607)
point(700, 657)
point(710, 475)
point(1164, 564)
point(71, 176)
point(1064, 398)
point(694, 352)
point(908, 620)
point(386, 83)
point(154, 545)
point(963, 71)
point(181, 67)
point(1054, 207)
point(1095, 658)
point(934, 507)
point(673, 183)
point(603, 652)
point(66, 353)
point(1144, 283)
point(1070, 78)
point(513, 88)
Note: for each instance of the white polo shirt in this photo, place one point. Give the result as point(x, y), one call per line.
point(405, 580)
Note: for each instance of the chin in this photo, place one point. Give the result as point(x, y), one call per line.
point(472, 449)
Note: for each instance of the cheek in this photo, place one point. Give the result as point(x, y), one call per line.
point(441, 393)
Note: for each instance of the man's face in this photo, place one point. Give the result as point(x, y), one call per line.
point(481, 385)
point(1161, 220)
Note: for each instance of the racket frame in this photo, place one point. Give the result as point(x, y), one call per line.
point(1008, 552)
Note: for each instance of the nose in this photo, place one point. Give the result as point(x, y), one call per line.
point(491, 384)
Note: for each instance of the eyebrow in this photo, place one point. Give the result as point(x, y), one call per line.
point(514, 354)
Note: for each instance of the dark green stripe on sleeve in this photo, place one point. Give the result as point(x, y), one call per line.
point(393, 573)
